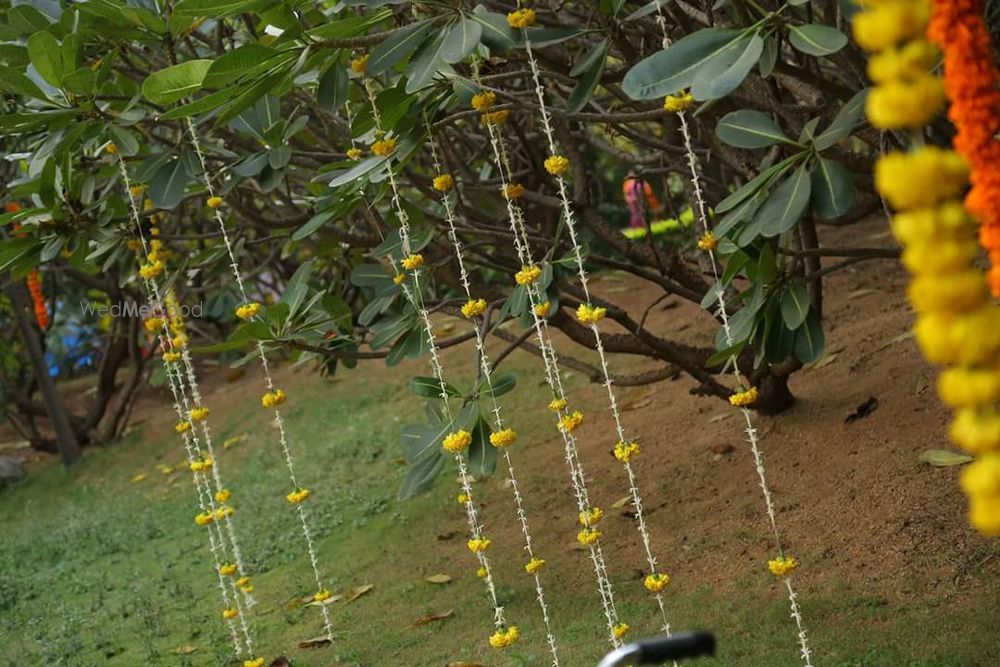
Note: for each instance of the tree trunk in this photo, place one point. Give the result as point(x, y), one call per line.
point(66, 440)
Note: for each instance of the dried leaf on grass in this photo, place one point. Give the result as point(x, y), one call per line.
point(185, 650)
point(430, 618)
point(943, 458)
point(622, 502)
point(315, 642)
point(438, 579)
point(352, 594)
point(462, 663)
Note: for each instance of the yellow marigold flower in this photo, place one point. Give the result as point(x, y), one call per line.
point(503, 438)
point(743, 398)
point(133, 244)
point(557, 404)
point(248, 310)
point(955, 293)
point(360, 64)
point(483, 101)
point(198, 414)
point(138, 477)
point(556, 164)
point(273, 398)
point(968, 339)
point(591, 517)
point(708, 242)
point(655, 583)
point(478, 545)
point(678, 102)
point(227, 570)
point(505, 638)
point(943, 257)
point(399, 278)
point(543, 309)
point(481, 572)
point(229, 614)
point(256, 662)
point(984, 514)
point(462, 498)
point(924, 177)
point(243, 582)
point(203, 518)
point(355, 153)
point(111, 148)
point(412, 262)
point(166, 470)
point(976, 429)
point(887, 24)
point(905, 104)
point(297, 496)
point(203, 463)
point(179, 341)
point(528, 275)
point(521, 18)
point(474, 308)
point(147, 205)
point(620, 630)
point(782, 566)
point(223, 495)
point(151, 269)
point(153, 231)
point(137, 190)
point(569, 422)
point(968, 387)
point(625, 451)
point(214, 202)
point(911, 61)
point(982, 477)
point(182, 427)
point(588, 536)
point(444, 182)
point(534, 565)
point(513, 191)
point(384, 147)
point(588, 314)
point(153, 324)
point(322, 595)
point(457, 441)
point(496, 117)
point(247, 589)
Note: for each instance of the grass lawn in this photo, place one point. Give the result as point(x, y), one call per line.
point(98, 570)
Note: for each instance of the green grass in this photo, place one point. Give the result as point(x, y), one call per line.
point(96, 570)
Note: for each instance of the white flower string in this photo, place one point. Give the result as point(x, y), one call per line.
point(589, 536)
point(274, 396)
point(444, 183)
point(589, 315)
point(456, 441)
point(210, 514)
point(782, 566)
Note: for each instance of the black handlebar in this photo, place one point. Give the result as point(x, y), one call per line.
point(683, 645)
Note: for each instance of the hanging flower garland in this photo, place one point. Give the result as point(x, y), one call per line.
point(457, 441)
point(957, 326)
point(972, 84)
point(214, 511)
point(34, 283)
point(273, 396)
point(502, 436)
point(567, 421)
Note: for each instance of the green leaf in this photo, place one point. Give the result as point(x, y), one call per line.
point(12, 81)
point(166, 189)
point(676, 67)
point(429, 387)
point(591, 67)
point(420, 478)
point(387, 330)
point(540, 36)
point(832, 189)
point(425, 64)
point(794, 304)
point(482, 454)
point(460, 41)
point(398, 46)
point(749, 129)
point(497, 33)
point(174, 83)
point(769, 57)
point(369, 275)
point(235, 64)
point(202, 104)
point(216, 8)
point(125, 141)
point(43, 50)
point(844, 122)
point(297, 287)
point(944, 458)
point(502, 384)
point(752, 186)
point(785, 206)
point(724, 73)
point(817, 40)
point(809, 339)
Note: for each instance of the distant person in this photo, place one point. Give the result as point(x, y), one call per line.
point(640, 198)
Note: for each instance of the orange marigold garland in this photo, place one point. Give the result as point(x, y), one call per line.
point(971, 81)
point(957, 327)
point(34, 283)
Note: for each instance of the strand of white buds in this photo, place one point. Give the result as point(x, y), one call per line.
point(552, 376)
point(279, 423)
point(498, 421)
point(203, 488)
point(415, 297)
point(569, 219)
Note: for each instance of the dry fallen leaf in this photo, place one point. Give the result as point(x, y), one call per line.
point(720, 417)
point(352, 594)
point(462, 663)
point(438, 579)
point(314, 642)
point(430, 618)
point(622, 502)
point(184, 650)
